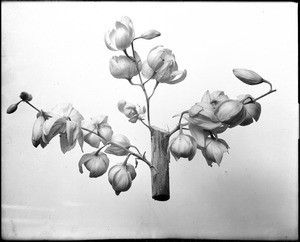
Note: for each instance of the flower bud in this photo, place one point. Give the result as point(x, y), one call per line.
point(96, 164)
point(213, 150)
point(119, 140)
point(25, 96)
point(12, 108)
point(162, 66)
point(150, 34)
point(247, 76)
point(231, 112)
point(122, 36)
point(98, 125)
point(157, 57)
point(122, 67)
point(121, 176)
point(184, 146)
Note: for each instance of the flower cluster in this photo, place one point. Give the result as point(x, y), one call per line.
point(206, 120)
point(214, 114)
point(160, 64)
point(64, 120)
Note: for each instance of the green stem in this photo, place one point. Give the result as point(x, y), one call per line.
point(145, 124)
point(179, 123)
point(125, 161)
point(268, 83)
point(32, 106)
point(269, 92)
point(142, 86)
point(156, 84)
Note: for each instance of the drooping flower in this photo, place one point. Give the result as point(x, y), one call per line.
point(253, 109)
point(131, 111)
point(121, 176)
point(37, 130)
point(121, 37)
point(122, 67)
point(98, 125)
point(162, 66)
point(214, 150)
point(231, 112)
point(96, 164)
point(119, 141)
point(247, 76)
point(66, 121)
point(184, 146)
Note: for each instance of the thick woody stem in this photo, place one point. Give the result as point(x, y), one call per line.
point(160, 160)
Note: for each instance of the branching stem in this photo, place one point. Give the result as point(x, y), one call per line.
point(267, 93)
point(142, 86)
point(139, 155)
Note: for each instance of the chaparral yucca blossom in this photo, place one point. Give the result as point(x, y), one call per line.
point(96, 163)
point(231, 112)
point(122, 67)
point(131, 111)
point(203, 115)
point(121, 176)
point(184, 146)
point(66, 121)
point(119, 142)
point(100, 126)
point(253, 109)
point(214, 150)
point(122, 36)
point(162, 66)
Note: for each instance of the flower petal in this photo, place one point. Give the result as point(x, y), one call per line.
point(109, 40)
point(114, 150)
point(131, 170)
point(52, 127)
point(254, 110)
point(70, 130)
point(206, 97)
point(101, 119)
point(80, 139)
point(147, 71)
point(121, 105)
point(182, 76)
point(64, 144)
point(199, 134)
point(83, 159)
point(93, 140)
point(106, 132)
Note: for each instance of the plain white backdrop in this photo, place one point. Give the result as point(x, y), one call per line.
point(56, 52)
